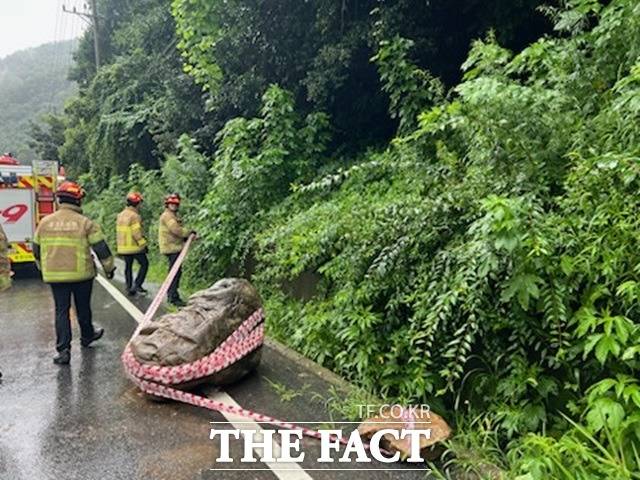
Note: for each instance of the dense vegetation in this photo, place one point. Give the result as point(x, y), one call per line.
point(484, 259)
point(33, 83)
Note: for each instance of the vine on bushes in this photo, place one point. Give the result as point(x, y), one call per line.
point(256, 163)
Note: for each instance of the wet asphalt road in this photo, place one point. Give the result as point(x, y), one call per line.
point(88, 422)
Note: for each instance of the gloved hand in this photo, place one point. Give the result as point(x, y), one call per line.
point(145, 250)
point(111, 274)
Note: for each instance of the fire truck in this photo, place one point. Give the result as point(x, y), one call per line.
point(27, 194)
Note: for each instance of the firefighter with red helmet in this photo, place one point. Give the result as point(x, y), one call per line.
point(171, 238)
point(62, 246)
point(132, 244)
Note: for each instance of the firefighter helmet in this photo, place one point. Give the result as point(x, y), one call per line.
point(70, 190)
point(134, 198)
point(174, 199)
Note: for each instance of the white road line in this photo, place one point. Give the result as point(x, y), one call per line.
point(283, 470)
point(121, 299)
point(293, 470)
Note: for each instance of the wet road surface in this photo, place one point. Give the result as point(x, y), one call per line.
point(86, 421)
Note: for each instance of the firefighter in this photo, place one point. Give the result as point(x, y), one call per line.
point(172, 236)
point(62, 247)
point(5, 265)
point(132, 246)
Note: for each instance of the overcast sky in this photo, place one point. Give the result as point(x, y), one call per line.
point(29, 23)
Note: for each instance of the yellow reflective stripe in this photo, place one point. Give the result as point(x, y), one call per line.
point(137, 229)
point(129, 251)
point(127, 247)
point(66, 276)
point(127, 233)
point(62, 241)
point(82, 259)
point(45, 181)
point(129, 240)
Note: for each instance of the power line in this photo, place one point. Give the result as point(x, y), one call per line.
point(91, 17)
point(57, 56)
point(86, 16)
point(76, 24)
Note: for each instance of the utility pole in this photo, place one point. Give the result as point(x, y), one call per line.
point(96, 29)
point(92, 19)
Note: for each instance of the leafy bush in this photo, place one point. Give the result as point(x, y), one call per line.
point(185, 172)
point(256, 162)
point(489, 257)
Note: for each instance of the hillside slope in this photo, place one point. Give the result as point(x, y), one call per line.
point(32, 82)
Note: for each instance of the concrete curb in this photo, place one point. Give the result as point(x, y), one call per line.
point(308, 364)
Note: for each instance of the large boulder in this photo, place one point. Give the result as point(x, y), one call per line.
point(195, 331)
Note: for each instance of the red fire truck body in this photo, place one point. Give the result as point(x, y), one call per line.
point(26, 196)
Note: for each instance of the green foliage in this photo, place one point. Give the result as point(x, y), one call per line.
point(488, 258)
point(576, 455)
point(475, 452)
point(134, 109)
point(285, 393)
point(320, 49)
point(411, 90)
point(199, 30)
point(187, 171)
point(255, 165)
point(47, 136)
point(104, 204)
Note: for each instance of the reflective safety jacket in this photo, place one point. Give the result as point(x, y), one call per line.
point(171, 233)
point(129, 232)
point(5, 265)
point(62, 246)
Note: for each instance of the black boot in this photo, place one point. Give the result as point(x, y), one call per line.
point(63, 357)
point(141, 290)
point(96, 336)
point(177, 301)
